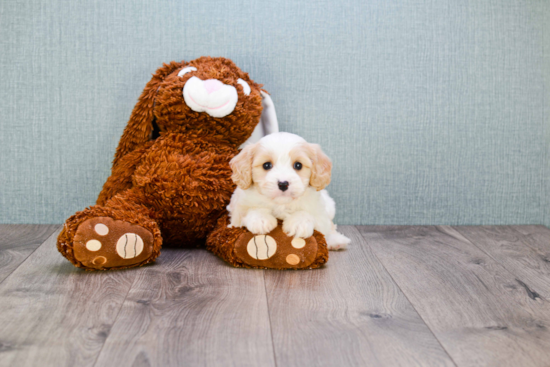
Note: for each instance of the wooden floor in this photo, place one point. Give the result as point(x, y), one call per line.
point(400, 296)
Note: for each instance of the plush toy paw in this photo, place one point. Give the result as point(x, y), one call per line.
point(105, 243)
point(274, 250)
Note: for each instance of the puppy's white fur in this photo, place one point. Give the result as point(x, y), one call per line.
point(258, 201)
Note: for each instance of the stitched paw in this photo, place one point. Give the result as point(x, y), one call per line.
point(299, 225)
point(261, 247)
point(103, 242)
point(276, 250)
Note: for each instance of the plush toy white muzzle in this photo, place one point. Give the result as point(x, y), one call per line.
point(210, 96)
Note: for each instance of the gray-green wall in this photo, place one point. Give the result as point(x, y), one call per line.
point(433, 111)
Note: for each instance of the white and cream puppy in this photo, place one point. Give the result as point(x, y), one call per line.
point(283, 177)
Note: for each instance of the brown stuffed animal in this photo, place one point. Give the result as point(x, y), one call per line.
point(171, 181)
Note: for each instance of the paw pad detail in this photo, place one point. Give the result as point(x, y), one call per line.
point(261, 247)
point(106, 243)
point(93, 245)
point(293, 259)
point(129, 246)
point(100, 260)
point(298, 242)
point(275, 250)
point(101, 229)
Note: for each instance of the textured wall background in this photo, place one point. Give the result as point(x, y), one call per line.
point(433, 111)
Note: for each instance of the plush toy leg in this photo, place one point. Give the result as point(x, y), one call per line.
point(119, 235)
point(275, 250)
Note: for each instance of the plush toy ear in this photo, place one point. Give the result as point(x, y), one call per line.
point(321, 170)
point(241, 165)
point(268, 121)
point(140, 126)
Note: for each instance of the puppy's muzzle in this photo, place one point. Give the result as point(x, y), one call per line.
point(283, 186)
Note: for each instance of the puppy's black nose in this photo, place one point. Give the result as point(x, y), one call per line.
point(283, 186)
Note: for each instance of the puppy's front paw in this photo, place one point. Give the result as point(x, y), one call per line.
point(299, 225)
point(260, 223)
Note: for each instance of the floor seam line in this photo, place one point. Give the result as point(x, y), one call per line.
point(513, 228)
point(407, 298)
point(32, 252)
point(115, 320)
point(269, 319)
point(515, 276)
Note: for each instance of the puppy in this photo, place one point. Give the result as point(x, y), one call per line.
point(283, 177)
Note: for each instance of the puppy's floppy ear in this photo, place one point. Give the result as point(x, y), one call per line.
point(241, 165)
point(321, 169)
point(140, 126)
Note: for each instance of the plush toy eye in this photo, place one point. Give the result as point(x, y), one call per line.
point(186, 70)
point(246, 87)
point(297, 166)
point(267, 166)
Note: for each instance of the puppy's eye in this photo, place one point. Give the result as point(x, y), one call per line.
point(297, 166)
point(246, 87)
point(186, 70)
point(267, 166)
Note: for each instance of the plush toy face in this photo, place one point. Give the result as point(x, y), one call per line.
point(211, 96)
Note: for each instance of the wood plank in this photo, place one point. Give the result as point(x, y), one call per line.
point(538, 239)
point(480, 312)
point(18, 241)
point(349, 313)
point(53, 314)
point(192, 309)
point(517, 252)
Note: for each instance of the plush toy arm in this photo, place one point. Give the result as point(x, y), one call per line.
point(121, 174)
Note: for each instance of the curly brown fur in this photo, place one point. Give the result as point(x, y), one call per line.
point(234, 129)
point(221, 241)
point(178, 184)
point(136, 216)
point(139, 127)
point(121, 176)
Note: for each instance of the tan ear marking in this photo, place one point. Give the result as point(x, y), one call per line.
point(241, 165)
point(321, 170)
